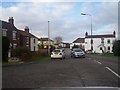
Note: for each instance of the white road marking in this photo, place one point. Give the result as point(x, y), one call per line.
point(98, 62)
point(113, 72)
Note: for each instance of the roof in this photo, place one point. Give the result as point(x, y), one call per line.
point(79, 40)
point(44, 39)
point(101, 36)
point(6, 25)
point(24, 33)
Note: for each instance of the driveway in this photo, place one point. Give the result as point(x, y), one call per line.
point(71, 72)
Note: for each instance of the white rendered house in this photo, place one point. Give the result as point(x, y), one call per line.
point(100, 43)
point(34, 44)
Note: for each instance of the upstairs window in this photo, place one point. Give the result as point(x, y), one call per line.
point(34, 40)
point(14, 35)
point(91, 41)
point(4, 32)
point(102, 40)
point(108, 41)
point(27, 40)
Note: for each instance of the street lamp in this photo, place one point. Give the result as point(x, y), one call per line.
point(48, 38)
point(91, 30)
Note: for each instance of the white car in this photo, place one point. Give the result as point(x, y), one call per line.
point(58, 53)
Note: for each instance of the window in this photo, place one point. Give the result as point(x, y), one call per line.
point(100, 48)
point(108, 47)
point(91, 41)
point(27, 39)
point(34, 48)
point(91, 47)
point(108, 41)
point(27, 45)
point(102, 40)
point(34, 40)
point(4, 32)
point(14, 35)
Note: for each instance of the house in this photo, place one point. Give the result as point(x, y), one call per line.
point(45, 42)
point(19, 38)
point(100, 43)
point(79, 42)
point(65, 45)
point(28, 40)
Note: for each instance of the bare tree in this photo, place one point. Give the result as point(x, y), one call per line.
point(58, 39)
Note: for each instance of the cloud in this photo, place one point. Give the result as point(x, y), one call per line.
point(65, 19)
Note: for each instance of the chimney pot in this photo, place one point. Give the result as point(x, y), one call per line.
point(27, 29)
point(11, 20)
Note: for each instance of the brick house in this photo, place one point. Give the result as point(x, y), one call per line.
point(19, 38)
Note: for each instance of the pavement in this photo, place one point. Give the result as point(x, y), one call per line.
point(70, 73)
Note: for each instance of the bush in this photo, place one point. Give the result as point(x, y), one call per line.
point(5, 48)
point(22, 52)
point(116, 48)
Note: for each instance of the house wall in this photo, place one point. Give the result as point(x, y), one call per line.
point(97, 44)
point(33, 44)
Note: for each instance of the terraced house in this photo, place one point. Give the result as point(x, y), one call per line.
point(17, 37)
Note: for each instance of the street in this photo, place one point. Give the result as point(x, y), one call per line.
point(92, 71)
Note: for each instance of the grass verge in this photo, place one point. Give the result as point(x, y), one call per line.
point(110, 55)
point(40, 58)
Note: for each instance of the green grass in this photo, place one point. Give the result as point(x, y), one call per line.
point(110, 55)
point(40, 58)
point(106, 55)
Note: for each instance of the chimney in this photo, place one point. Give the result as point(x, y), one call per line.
point(11, 20)
point(86, 34)
point(27, 29)
point(114, 33)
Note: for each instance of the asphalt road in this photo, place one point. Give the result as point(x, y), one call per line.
point(92, 71)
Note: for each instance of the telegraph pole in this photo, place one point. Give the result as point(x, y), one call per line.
point(48, 38)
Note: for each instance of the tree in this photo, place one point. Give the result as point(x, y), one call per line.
point(116, 48)
point(5, 48)
point(58, 39)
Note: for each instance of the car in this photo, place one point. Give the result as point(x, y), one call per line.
point(58, 54)
point(77, 52)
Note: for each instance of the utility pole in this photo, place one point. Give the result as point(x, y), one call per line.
point(48, 38)
point(91, 31)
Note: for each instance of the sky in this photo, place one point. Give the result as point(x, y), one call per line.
point(65, 17)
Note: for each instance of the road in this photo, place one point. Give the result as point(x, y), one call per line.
point(92, 71)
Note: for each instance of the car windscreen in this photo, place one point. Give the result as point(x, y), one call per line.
point(78, 50)
point(56, 51)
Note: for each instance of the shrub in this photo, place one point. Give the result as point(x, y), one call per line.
point(22, 52)
point(5, 48)
point(116, 48)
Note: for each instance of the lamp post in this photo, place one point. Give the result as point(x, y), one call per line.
point(48, 38)
point(91, 30)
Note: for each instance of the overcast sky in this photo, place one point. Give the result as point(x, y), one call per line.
point(65, 17)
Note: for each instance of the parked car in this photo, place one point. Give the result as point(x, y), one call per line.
point(58, 53)
point(77, 52)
